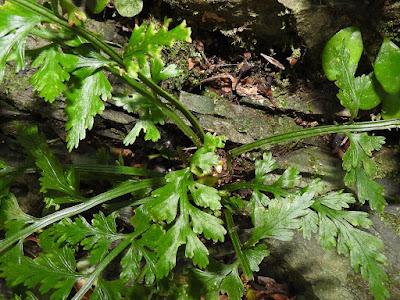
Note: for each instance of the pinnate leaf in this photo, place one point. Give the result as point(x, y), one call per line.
point(225, 278)
point(361, 169)
point(150, 115)
point(280, 218)
point(205, 196)
point(337, 228)
point(207, 224)
point(84, 102)
point(147, 42)
point(54, 70)
point(15, 24)
point(174, 197)
point(96, 237)
point(53, 177)
point(53, 271)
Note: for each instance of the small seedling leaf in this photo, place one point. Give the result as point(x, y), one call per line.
point(387, 66)
point(351, 36)
point(391, 106)
point(128, 8)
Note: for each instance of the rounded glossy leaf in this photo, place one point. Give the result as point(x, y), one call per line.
point(369, 97)
point(391, 106)
point(352, 42)
point(387, 66)
point(96, 6)
point(128, 8)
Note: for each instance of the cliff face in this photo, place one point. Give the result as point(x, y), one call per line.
point(280, 23)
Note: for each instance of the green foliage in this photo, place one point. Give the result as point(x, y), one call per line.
point(355, 92)
point(150, 115)
point(340, 59)
point(53, 72)
point(52, 271)
point(351, 38)
point(361, 169)
point(182, 193)
point(147, 42)
point(73, 67)
point(337, 228)
point(387, 66)
point(126, 8)
point(15, 25)
point(391, 106)
point(170, 248)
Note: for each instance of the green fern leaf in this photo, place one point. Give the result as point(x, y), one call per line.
point(361, 169)
point(15, 24)
point(337, 228)
point(95, 238)
point(52, 271)
point(53, 177)
point(54, 70)
point(84, 103)
point(147, 42)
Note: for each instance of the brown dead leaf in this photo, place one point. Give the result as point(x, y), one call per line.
point(191, 63)
point(199, 45)
point(272, 286)
point(221, 77)
point(247, 55)
point(212, 16)
point(245, 90)
point(273, 61)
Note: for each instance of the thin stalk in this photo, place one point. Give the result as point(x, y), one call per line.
point(111, 169)
point(315, 131)
point(232, 231)
point(176, 103)
point(162, 106)
point(251, 185)
point(142, 273)
point(102, 265)
point(118, 59)
point(124, 188)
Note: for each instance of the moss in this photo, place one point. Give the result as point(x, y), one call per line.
point(210, 94)
point(387, 163)
point(179, 54)
point(13, 82)
point(391, 220)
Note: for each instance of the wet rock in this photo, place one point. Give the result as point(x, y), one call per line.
point(238, 123)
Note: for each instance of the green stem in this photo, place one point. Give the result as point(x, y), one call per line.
point(251, 185)
point(142, 273)
point(315, 131)
point(114, 169)
point(176, 103)
point(118, 58)
point(124, 188)
point(162, 106)
point(102, 265)
point(232, 231)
